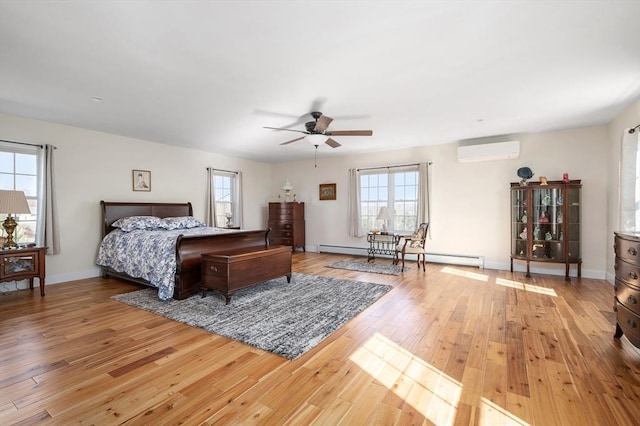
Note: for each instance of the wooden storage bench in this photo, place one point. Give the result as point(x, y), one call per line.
point(234, 269)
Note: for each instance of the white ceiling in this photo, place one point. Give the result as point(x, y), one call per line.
point(209, 74)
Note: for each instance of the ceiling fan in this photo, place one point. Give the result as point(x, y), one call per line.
point(317, 132)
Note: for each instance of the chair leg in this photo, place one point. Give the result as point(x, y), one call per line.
point(402, 270)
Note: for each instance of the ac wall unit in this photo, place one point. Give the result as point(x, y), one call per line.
point(508, 150)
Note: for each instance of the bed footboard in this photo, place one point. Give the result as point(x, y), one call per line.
point(189, 250)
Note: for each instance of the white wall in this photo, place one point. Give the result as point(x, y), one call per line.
point(629, 118)
point(469, 202)
point(93, 166)
point(469, 210)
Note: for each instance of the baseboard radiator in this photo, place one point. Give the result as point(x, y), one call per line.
point(449, 259)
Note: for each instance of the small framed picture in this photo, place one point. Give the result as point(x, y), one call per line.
point(327, 191)
point(141, 180)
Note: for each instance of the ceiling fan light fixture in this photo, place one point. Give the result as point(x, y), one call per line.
point(316, 139)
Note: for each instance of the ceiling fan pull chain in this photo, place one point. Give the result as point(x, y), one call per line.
point(315, 158)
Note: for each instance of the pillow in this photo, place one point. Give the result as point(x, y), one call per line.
point(181, 222)
point(137, 222)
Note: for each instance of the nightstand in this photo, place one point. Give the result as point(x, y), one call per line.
point(22, 263)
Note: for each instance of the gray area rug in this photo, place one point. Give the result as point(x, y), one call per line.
point(284, 318)
point(376, 268)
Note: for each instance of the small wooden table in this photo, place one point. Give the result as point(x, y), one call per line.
point(22, 263)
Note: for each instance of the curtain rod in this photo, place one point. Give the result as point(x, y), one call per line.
point(221, 170)
point(633, 129)
point(391, 167)
point(26, 143)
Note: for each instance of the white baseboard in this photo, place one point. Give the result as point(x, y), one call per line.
point(449, 259)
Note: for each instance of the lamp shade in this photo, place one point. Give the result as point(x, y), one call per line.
point(13, 202)
point(316, 139)
point(383, 214)
point(287, 186)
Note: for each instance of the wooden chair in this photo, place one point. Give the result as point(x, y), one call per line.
point(413, 244)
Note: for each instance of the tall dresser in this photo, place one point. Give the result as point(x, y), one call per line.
point(627, 286)
point(286, 221)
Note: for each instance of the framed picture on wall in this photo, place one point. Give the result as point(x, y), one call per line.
point(327, 191)
point(141, 180)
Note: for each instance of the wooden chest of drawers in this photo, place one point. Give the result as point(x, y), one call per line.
point(627, 286)
point(286, 221)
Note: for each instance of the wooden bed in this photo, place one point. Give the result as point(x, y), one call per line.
point(188, 248)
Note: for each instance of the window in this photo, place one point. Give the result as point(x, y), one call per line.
point(19, 172)
point(630, 182)
point(395, 188)
point(224, 199)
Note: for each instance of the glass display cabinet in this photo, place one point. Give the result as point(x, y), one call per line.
point(545, 224)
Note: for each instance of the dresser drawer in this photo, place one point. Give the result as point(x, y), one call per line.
point(280, 241)
point(629, 322)
point(277, 226)
point(627, 272)
point(628, 296)
point(628, 250)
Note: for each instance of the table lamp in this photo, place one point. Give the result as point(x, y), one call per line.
point(12, 202)
point(383, 215)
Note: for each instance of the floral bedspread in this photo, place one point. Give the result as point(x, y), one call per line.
point(147, 254)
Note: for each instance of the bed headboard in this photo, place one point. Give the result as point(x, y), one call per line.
point(112, 211)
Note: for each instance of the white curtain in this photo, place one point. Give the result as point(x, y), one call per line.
point(210, 210)
point(629, 185)
point(355, 229)
point(48, 210)
point(237, 201)
point(423, 193)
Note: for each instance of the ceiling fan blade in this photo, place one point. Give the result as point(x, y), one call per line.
point(350, 133)
point(322, 123)
point(292, 140)
point(288, 130)
point(332, 143)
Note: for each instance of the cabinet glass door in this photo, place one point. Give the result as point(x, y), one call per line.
point(573, 224)
point(519, 218)
point(547, 219)
point(18, 264)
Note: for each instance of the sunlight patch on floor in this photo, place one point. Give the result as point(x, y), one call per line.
point(467, 274)
point(492, 414)
point(431, 392)
point(527, 287)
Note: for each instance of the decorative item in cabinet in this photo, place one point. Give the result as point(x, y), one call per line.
point(286, 221)
point(545, 223)
point(626, 302)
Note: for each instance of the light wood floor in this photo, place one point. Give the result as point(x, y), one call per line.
point(453, 345)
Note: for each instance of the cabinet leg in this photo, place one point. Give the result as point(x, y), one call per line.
point(579, 269)
point(566, 273)
point(511, 264)
point(528, 271)
point(618, 332)
point(41, 287)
